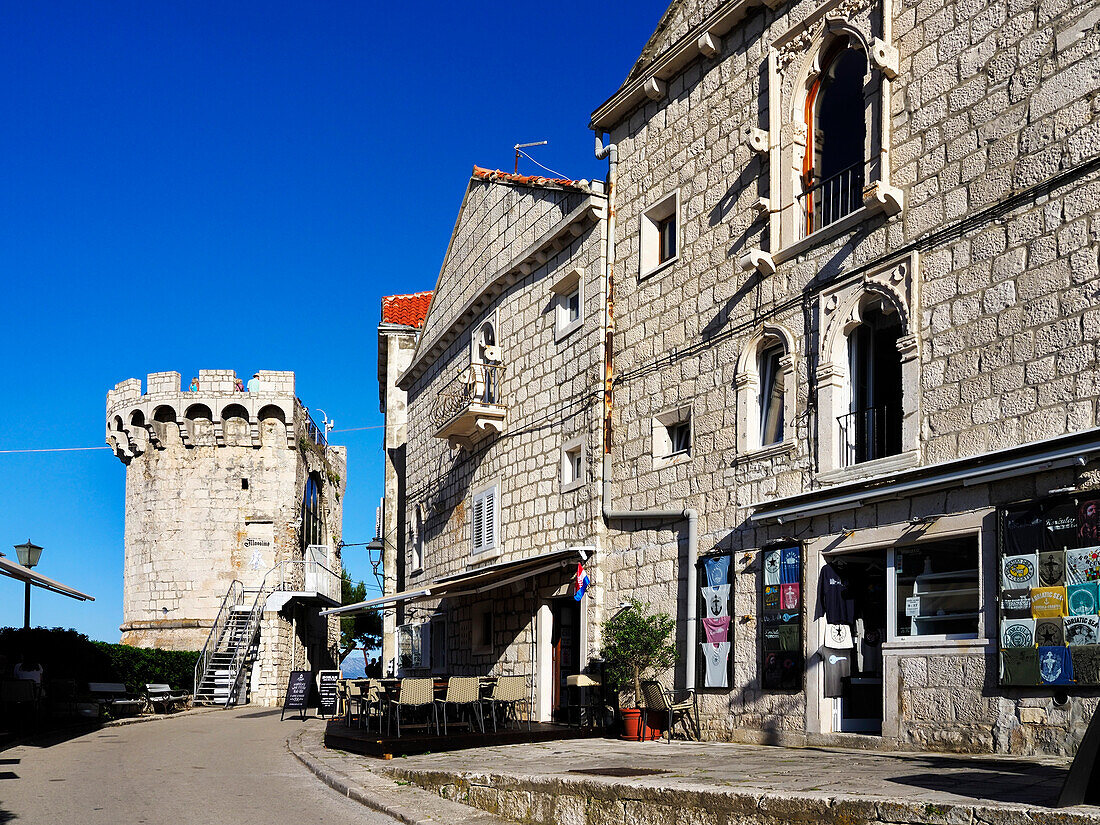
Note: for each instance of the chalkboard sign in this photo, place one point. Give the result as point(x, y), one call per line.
point(297, 692)
point(327, 682)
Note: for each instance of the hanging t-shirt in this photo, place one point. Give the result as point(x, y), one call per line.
point(772, 639)
point(870, 651)
point(838, 666)
point(714, 657)
point(1018, 633)
point(1019, 571)
point(1016, 604)
point(790, 637)
point(717, 630)
point(776, 619)
point(1052, 568)
point(1048, 602)
point(1088, 522)
point(1049, 633)
point(771, 596)
point(771, 566)
point(838, 637)
point(1082, 565)
point(716, 600)
point(1020, 666)
point(1055, 666)
point(1086, 664)
point(1081, 599)
point(790, 565)
point(833, 598)
point(788, 597)
point(1082, 630)
point(717, 568)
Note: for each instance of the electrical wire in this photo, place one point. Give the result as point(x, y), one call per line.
point(547, 168)
point(54, 450)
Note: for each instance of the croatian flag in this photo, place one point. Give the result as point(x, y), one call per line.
point(581, 583)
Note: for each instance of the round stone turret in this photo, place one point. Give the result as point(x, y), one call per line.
point(226, 486)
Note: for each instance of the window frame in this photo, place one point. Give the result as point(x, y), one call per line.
point(650, 250)
point(481, 616)
point(565, 288)
point(892, 598)
point(478, 509)
point(567, 478)
point(663, 444)
point(748, 385)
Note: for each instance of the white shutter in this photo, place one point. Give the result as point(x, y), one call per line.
point(490, 518)
point(476, 523)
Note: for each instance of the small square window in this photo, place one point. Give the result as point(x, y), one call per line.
point(672, 434)
point(572, 464)
point(481, 628)
point(658, 241)
point(568, 301)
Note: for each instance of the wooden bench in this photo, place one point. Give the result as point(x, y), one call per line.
point(164, 699)
point(114, 696)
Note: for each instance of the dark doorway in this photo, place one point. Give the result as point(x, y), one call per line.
point(565, 645)
point(858, 708)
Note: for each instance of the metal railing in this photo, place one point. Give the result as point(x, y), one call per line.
point(315, 433)
point(233, 597)
point(295, 575)
point(478, 384)
point(827, 201)
point(867, 434)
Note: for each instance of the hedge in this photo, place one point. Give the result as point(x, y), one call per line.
point(66, 654)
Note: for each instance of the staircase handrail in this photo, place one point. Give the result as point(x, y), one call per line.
point(233, 597)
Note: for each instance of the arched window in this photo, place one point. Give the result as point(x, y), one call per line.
point(313, 526)
point(765, 384)
point(872, 427)
point(834, 168)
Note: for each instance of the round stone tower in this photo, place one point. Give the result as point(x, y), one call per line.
point(232, 500)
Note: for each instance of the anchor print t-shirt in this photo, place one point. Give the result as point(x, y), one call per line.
point(714, 656)
point(716, 599)
point(1055, 666)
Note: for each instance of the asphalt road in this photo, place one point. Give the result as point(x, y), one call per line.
point(222, 768)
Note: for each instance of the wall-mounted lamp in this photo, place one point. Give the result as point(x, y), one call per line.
point(623, 606)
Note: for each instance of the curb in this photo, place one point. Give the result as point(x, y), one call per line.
point(405, 804)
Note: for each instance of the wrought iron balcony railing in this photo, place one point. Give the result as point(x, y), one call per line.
point(868, 434)
point(470, 404)
point(827, 201)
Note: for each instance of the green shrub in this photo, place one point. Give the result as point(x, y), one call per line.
point(66, 654)
point(636, 641)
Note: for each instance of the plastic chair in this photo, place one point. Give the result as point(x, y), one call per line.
point(463, 691)
point(655, 699)
point(509, 692)
point(416, 693)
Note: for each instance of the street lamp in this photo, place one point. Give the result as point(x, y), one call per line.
point(28, 554)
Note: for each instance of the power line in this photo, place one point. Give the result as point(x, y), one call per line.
point(55, 450)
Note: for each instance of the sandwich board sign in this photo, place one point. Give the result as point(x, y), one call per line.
point(297, 692)
point(328, 700)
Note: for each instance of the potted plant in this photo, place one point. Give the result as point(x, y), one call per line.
point(635, 641)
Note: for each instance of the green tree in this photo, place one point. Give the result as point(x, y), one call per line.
point(635, 641)
point(362, 629)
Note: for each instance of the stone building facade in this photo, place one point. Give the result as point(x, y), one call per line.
point(229, 492)
point(402, 317)
point(501, 495)
point(879, 327)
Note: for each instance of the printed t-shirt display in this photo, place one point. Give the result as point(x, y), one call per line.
point(771, 596)
point(788, 597)
point(1020, 571)
point(717, 629)
point(790, 565)
point(1049, 632)
point(838, 636)
point(1086, 663)
point(1082, 565)
point(1082, 630)
point(838, 666)
point(1018, 633)
point(1055, 666)
point(1052, 568)
point(771, 567)
point(717, 568)
point(716, 600)
point(1081, 599)
point(714, 658)
point(833, 597)
point(1020, 666)
point(1048, 602)
point(1016, 604)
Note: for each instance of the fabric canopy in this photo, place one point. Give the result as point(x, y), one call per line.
point(18, 571)
point(478, 580)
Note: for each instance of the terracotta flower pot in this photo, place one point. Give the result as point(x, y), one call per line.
point(632, 726)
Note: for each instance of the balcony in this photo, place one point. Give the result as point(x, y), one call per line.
point(824, 202)
point(869, 434)
point(470, 407)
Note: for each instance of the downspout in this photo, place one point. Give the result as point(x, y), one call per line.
point(611, 152)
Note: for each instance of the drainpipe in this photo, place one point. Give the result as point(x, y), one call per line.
point(610, 151)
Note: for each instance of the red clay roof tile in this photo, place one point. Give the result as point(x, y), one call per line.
point(408, 310)
point(528, 180)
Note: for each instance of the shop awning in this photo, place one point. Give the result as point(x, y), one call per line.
point(18, 571)
point(478, 580)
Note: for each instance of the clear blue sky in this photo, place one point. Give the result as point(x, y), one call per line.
point(191, 184)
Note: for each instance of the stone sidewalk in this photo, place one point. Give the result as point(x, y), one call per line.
point(598, 781)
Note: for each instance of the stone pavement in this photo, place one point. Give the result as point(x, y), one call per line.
point(597, 781)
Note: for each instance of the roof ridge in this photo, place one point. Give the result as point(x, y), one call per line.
point(528, 180)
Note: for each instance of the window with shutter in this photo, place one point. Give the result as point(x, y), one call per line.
point(483, 520)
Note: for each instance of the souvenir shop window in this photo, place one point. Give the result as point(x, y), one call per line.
point(716, 631)
point(936, 590)
point(780, 618)
point(1049, 569)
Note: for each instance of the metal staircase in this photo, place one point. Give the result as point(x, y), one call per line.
point(222, 668)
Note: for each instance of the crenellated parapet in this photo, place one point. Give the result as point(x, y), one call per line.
point(217, 414)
